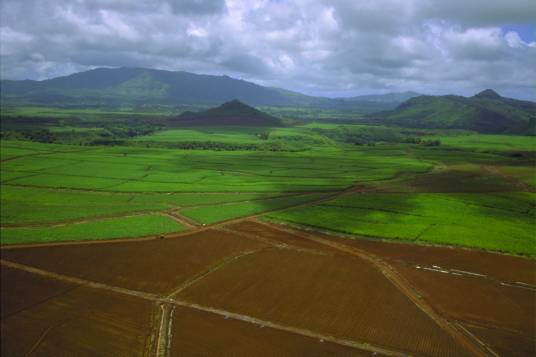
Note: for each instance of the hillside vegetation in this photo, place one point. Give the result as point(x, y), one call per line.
point(486, 112)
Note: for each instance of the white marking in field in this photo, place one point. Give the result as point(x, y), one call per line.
point(525, 284)
point(516, 285)
point(436, 270)
point(457, 272)
point(468, 272)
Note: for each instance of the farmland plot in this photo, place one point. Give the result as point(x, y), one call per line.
point(71, 320)
point(204, 334)
point(335, 295)
point(152, 265)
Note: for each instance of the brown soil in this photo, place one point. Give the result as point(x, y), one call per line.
point(22, 290)
point(476, 300)
point(151, 266)
point(266, 232)
point(250, 288)
point(340, 296)
point(505, 343)
point(474, 287)
point(197, 333)
point(79, 322)
point(502, 267)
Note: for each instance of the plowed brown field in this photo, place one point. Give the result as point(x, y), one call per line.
point(335, 295)
point(254, 228)
point(479, 289)
point(197, 333)
point(500, 266)
point(62, 320)
point(153, 266)
point(503, 342)
point(263, 289)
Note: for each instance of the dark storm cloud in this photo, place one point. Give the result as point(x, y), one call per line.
point(335, 47)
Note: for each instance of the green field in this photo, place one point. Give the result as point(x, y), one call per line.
point(501, 222)
point(213, 214)
point(489, 142)
point(471, 190)
point(124, 227)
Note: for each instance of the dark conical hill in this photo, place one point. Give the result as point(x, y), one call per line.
point(233, 112)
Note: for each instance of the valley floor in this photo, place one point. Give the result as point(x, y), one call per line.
point(391, 249)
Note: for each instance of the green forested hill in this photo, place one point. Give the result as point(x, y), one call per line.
point(486, 112)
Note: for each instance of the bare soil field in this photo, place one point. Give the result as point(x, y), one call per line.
point(256, 288)
point(156, 266)
point(502, 267)
point(491, 295)
point(508, 310)
point(61, 320)
point(267, 232)
point(193, 334)
point(336, 295)
point(505, 343)
point(22, 290)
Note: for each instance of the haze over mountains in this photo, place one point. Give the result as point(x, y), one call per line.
point(137, 86)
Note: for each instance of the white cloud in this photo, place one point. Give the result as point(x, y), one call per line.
point(335, 47)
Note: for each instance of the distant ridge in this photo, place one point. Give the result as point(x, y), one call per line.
point(116, 87)
point(485, 112)
point(233, 112)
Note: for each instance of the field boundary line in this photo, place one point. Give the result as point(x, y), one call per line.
point(397, 280)
point(227, 203)
point(163, 340)
point(31, 306)
point(80, 281)
point(272, 242)
point(425, 230)
point(81, 220)
point(479, 341)
point(46, 153)
point(129, 193)
point(42, 337)
point(180, 218)
point(493, 169)
point(294, 330)
point(220, 264)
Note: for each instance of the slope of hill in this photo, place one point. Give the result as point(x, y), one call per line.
point(230, 113)
point(142, 86)
point(486, 112)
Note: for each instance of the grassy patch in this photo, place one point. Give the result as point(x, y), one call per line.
point(213, 214)
point(23, 205)
point(134, 226)
point(501, 222)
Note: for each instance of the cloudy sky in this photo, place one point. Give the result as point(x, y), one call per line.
point(320, 47)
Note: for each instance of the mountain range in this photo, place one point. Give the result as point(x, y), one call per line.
point(485, 112)
point(143, 86)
